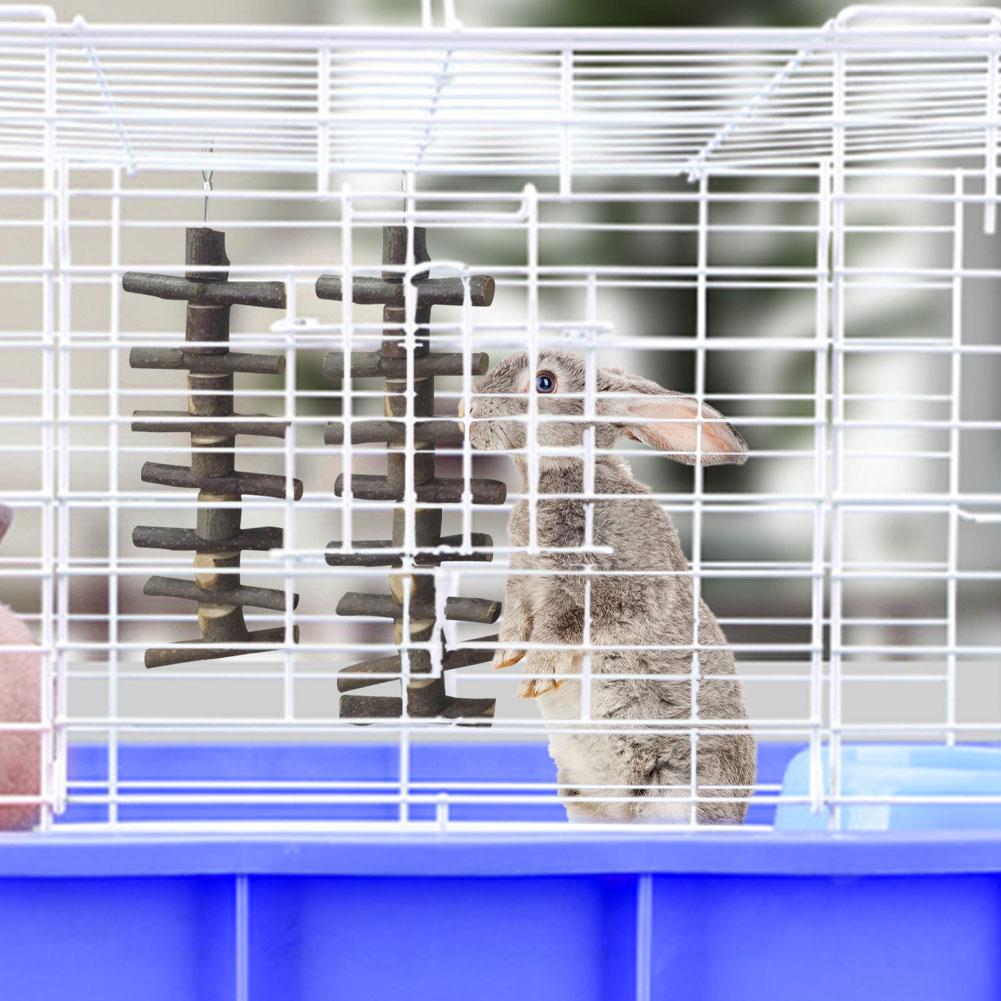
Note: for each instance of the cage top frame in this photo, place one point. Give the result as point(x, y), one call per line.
point(872, 84)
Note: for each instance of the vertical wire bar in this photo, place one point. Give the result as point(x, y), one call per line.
point(701, 319)
point(409, 489)
point(591, 413)
point(820, 509)
point(410, 346)
point(566, 129)
point(49, 742)
point(532, 319)
point(991, 137)
point(241, 935)
point(441, 812)
point(322, 189)
point(63, 485)
point(585, 681)
point(347, 323)
point(644, 937)
point(114, 374)
point(837, 429)
point(323, 111)
point(466, 544)
point(446, 582)
point(288, 537)
point(405, 746)
point(955, 415)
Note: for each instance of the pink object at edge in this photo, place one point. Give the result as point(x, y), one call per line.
point(20, 702)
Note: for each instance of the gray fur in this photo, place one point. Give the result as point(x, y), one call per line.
point(631, 610)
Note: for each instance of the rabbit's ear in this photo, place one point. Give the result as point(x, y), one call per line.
point(6, 517)
point(674, 421)
point(678, 434)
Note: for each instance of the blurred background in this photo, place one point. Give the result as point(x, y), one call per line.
point(473, 13)
point(890, 614)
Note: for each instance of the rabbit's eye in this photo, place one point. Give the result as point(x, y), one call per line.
point(545, 382)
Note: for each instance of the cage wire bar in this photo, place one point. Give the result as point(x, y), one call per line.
point(870, 132)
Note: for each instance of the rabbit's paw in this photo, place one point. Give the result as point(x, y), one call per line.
point(507, 658)
point(534, 687)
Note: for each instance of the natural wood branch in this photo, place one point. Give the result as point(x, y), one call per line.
point(391, 558)
point(206, 293)
point(389, 292)
point(204, 363)
point(218, 538)
point(427, 699)
point(448, 434)
point(210, 395)
point(372, 365)
point(238, 594)
point(442, 491)
point(192, 650)
point(425, 696)
point(461, 609)
point(154, 537)
point(362, 707)
point(205, 246)
point(206, 324)
point(457, 609)
point(335, 558)
point(177, 421)
point(478, 540)
point(457, 708)
point(236, 484)
point(463, 657)
point(371, 707)
point(218, 523)
point(387, 667)
point(390, 669)
point(431, 701)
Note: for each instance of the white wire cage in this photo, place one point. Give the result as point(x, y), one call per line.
point(790, 225)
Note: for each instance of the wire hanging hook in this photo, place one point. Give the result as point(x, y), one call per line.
point(207, 176)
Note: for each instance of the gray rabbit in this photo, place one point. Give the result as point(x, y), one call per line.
point(644, 769)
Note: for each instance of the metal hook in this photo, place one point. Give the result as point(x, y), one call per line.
point(207, 188)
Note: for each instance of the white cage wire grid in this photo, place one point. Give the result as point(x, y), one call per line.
point(795, 226)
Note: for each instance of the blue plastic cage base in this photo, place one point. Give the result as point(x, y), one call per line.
point(575, 915)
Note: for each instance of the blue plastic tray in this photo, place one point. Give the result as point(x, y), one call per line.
point(580, 916)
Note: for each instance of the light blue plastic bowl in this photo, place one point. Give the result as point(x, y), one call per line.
point(882, 771)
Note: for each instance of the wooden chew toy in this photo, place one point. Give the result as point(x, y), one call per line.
point(218, 539)
point(425, 696)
